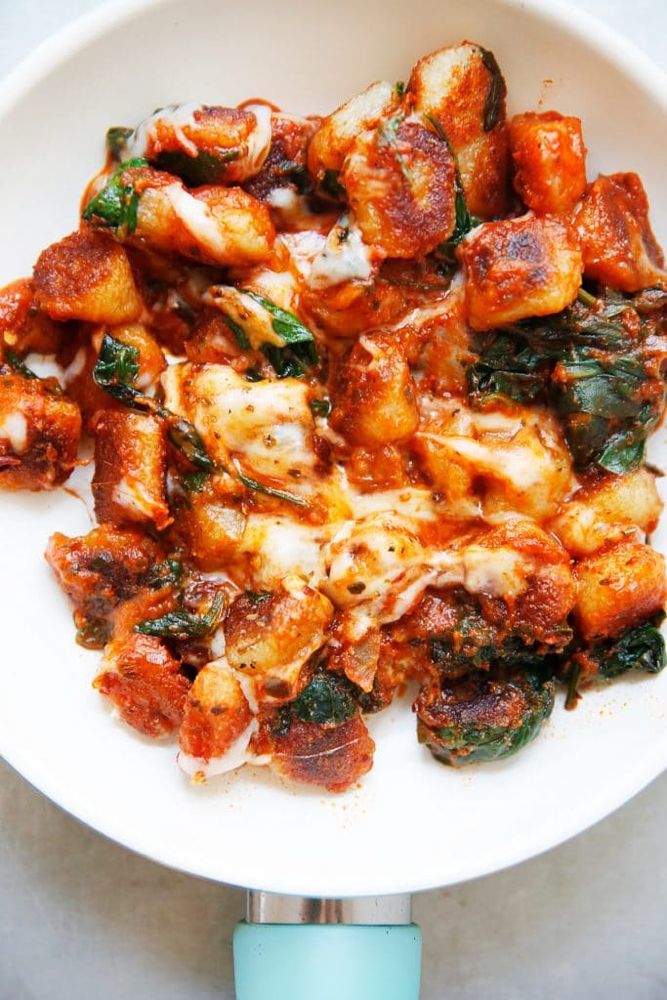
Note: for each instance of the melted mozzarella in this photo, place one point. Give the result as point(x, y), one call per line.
point(76, 366)
point(366, 558)
point(130, 494)
point(293, 209)
point(344, 257)
point(174, 115)
point(235, 756)
point(411, 502)
point(513, 462)
point(268, 424)
point(255, 321)
point(259, 140)
point(279, 286)
point(498, 572)
point(303, 248)
point(197, 218)
point(14, 428)
point(282, 547)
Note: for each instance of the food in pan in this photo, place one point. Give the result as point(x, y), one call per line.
point(369, 396)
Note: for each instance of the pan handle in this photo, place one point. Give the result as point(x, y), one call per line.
point(336, 956)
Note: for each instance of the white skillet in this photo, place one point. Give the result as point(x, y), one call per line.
point(412, 824)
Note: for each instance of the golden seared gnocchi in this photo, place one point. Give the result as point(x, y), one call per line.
point(129, 483)
point(549, 160)
point(23, 326)
point(400, 179)
point(375, 398)
point(337, 132)
point(519, 268)
point(88, 277)
point(271, 636)
point(463, 90)
point(617, 242)
point(494, 460)
point(618, 588)
point(217, 723)
point(39, 432)
point(613, 509)
point(370, 394)
point(211, 224)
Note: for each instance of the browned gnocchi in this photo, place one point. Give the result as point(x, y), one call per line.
point(368, 395)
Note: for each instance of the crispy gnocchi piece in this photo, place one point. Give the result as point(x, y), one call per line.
point(519, 268)
point(332, 756)
point(617, 242)
point(212, 522)
point(270, 636)
point(377, 468)
point(481, 717)
point(375, 400)
point(209, 224)
point(494, 460)
point(217, 723)
point(81, 357)
point(86, 276)
point(204, 144)
point(285, 167)
point(446, 351)
point(462, 88)
point(99, 570)
point(39, 433)
point(617, 508)
point(529, 570)
point(23, 326)
point(549, 159)
point(368, 301)
point(150, 356)
point(618, 588)
point(335, 136)
point(400, 182)
point(143, 681)
point(129, 483)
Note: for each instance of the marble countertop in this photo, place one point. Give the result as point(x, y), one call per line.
point(81, 917)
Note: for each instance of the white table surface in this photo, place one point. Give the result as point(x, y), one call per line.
point(82, 918)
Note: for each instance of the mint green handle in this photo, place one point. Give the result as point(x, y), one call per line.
point(326, 962)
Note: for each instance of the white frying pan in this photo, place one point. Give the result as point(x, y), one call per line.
point(412, 824)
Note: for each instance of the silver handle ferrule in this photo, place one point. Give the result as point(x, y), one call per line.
point(274, 908)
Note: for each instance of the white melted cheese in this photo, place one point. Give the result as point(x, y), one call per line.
point(285, 547)
point(236, 756)
point(268, 424)
point(410, 502)
point(279, 286)
point(344, 257)
point(303, 248)
point(514, 463)
point(255, 321)
point(176, 116)
point(197, 218)
point(218, 644)
point(76, 366)
point(371, 556)
point(293, 209)
point(259, 140)
point(498, 572)
point(130, 494)
point(14, 428)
